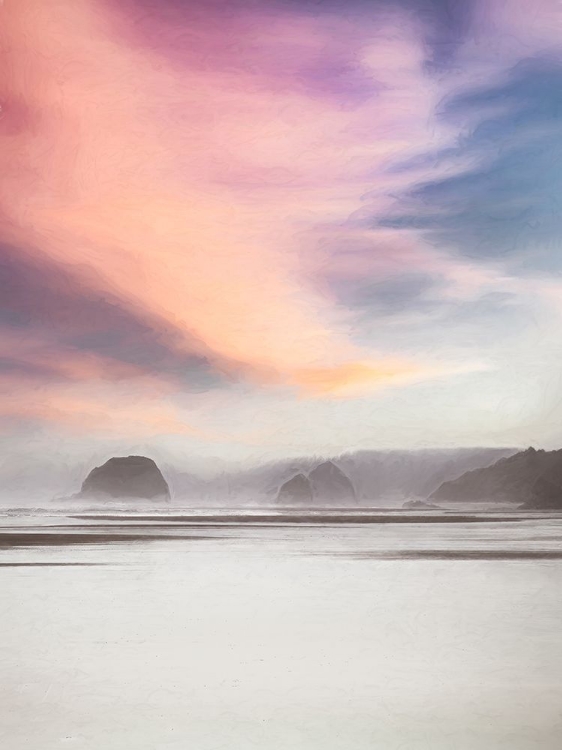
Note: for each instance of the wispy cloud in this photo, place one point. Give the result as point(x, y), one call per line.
point(167, 223)
point(195, 195)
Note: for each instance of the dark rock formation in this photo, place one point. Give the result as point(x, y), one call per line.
point(325, 485)
point(295, 490)
point(514, 479)
point(330, 485)
point(419, 505)
point(126, 477)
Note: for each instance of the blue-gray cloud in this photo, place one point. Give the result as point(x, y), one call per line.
point(508, 203)
point(409, 291)
point(43, 300)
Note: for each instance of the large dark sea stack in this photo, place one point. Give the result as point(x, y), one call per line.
point(126, 477)
point(330, 484)
point(295, 490)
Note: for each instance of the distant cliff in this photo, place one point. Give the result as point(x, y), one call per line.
point(516, 479)
point(412, 474)
point(547, 490)
point(126, 477)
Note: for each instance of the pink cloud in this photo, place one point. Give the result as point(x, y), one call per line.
point(106, 176)
point(195, 186)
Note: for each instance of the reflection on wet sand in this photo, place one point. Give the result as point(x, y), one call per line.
point(51, 564)
point(12, 539)
point(475, 554)
point(312, 518)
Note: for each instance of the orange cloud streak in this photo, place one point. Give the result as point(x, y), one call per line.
point(350, 377)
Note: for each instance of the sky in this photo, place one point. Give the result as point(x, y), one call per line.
point(233, 230)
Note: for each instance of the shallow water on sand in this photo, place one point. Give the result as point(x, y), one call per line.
point(397, 631)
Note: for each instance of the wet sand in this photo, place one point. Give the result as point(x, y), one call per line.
point(122, 633)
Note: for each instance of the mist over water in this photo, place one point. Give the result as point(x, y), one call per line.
point(393, 630)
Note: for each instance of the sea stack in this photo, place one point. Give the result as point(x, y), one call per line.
point(295, 490)
point(126, 477)
point(330, 485)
